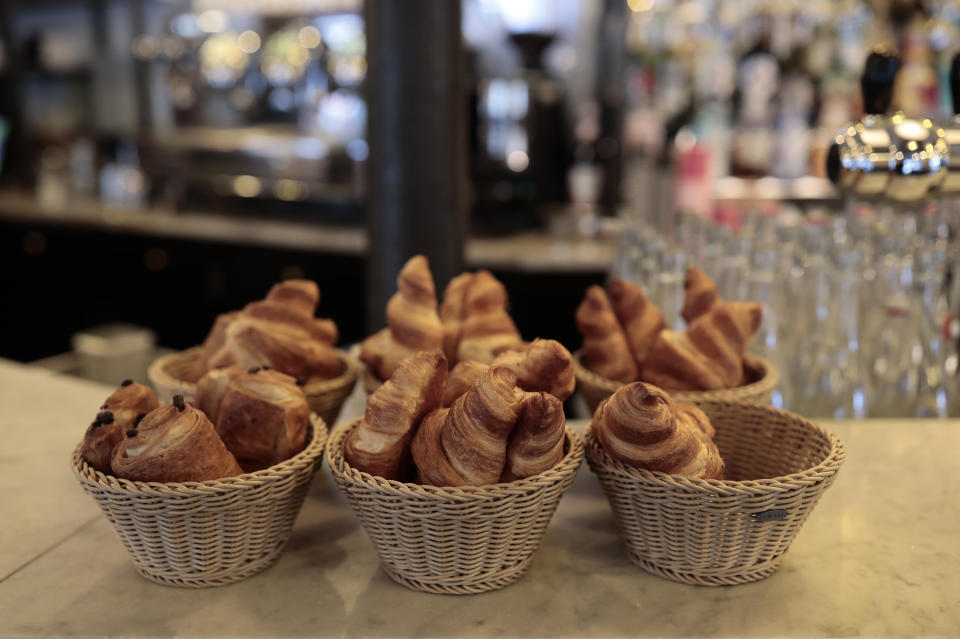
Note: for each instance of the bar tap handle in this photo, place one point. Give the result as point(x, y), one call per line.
point(858, 162)
point(876, 83)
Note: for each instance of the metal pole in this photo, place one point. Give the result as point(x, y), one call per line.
point(416, 200)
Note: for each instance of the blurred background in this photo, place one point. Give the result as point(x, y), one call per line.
point(167, 160)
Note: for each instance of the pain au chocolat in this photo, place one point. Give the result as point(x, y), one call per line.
point(121, 411)
point(261, 415)
point(174, 443)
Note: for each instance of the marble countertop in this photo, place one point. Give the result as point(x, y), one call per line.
point(878, 557)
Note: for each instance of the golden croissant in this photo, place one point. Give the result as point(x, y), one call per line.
point(380, 445)
point(486, 326)
point(536, 443)
point(641, 320)
point(280, 331)
point(709, 355)
point(412, 321)
point(642, 427)
point(468, 446)
point(452, 311)
point(540, 365)
point(463, 376)
point(700, 294)
point(605, 351)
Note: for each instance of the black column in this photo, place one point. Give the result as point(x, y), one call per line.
point(417, 165)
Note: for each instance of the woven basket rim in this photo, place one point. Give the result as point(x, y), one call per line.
point(728, 487)
point(316, 443)
point(767, 381)
point(157, 371)
point(341, 468)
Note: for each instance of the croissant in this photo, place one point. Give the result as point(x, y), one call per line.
point(642, 427)
point(605, 348)
point(121, 411)
point(286, 347)
point(174, 443)
point(642, 321)
point(412, 321)
point(536, 443)
point(300, 296)
point(463, 376)
point(213, 342)
point(452, 312)
point(472, 440)
point(700, 294)
point(262, 416)
point(709, 355)
point(486, 324)
point(540, 365)
point(380, 445)
point(433, 467)
point(283, 321)
point(674, 363)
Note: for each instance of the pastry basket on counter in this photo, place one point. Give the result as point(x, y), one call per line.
point(211, 533)
point(731, 531)
point(454, 540)
point(168, 375)
point(762, 379)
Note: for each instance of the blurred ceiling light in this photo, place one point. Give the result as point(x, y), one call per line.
point(531, 16)
point(358, 150)
point(518, 161)
point(639, 6)
point(289, 190)
point(309, 37)
point(222, 61)
point(284, 58)
point(185, 25)
point(249, 41)
point(212, 21)
point(172, 47)
point(145, 47)
point(343, 33)
point(246, 186)
point(281, 99)
point(348, 70)
point(280, 7)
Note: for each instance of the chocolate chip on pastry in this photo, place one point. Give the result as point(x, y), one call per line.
point(117, 414)
point(174, 445)
point(261, 416)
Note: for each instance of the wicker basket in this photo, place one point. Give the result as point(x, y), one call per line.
point(454, 540)
point(759, 390)
point(202, 534)
point(326, 397)
point(714, 533)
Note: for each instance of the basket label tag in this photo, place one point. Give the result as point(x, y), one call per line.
point(774, 514)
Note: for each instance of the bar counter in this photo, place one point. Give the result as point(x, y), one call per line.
point(878, 557)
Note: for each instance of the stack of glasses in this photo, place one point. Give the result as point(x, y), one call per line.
point(857, 309)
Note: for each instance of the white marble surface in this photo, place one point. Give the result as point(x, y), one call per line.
point(879, 557)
